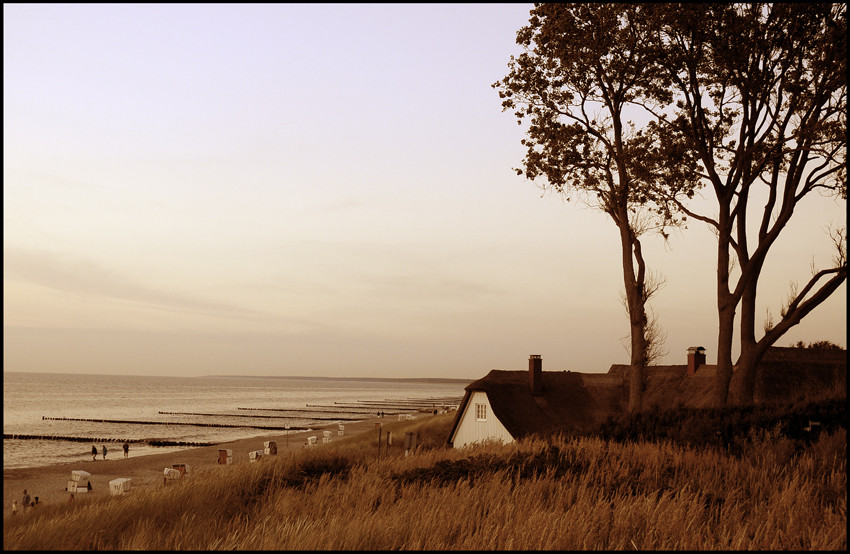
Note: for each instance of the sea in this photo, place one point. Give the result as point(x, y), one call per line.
point(53, 418)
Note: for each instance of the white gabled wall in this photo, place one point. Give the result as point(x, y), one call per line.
point(470, 430)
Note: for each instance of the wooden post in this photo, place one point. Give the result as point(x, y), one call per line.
point(378, 425)
point(409, 443)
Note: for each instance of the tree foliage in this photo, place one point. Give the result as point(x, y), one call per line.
point(589, 88)
point(817, 345)
point(587, 72)
point(632, 107)
point(761, 93)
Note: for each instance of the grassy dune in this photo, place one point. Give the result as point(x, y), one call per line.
point(559, 493)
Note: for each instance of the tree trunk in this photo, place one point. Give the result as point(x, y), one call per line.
point(638, 369)
point(742, 387)
point(634, 274)
point(726, 305)
point(724, 353)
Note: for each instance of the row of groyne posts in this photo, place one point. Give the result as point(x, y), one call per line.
point(403, 408)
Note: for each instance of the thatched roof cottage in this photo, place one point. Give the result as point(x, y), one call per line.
point(506, 405)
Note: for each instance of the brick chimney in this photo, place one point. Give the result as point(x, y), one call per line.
point(535, 374)
point(696, 358)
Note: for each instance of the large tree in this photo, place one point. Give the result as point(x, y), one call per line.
point(762, 91)
point(590, 88)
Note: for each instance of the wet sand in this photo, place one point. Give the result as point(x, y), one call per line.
point(48, 483)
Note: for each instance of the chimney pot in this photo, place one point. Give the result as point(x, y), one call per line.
point(535, 374)
point(696, 358)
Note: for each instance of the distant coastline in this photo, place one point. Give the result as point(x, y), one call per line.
point(369, 379)
point(292, 377)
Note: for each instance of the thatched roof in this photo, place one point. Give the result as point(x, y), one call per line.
point(579, 401)
point(582, 399)
point(785, 373)
point(668, 386)
point(790, 373)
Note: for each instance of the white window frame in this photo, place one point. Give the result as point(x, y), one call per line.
point(480, 412)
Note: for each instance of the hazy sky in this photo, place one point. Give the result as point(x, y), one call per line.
point(313, 190)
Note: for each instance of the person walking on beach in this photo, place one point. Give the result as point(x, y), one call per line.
point(126, 449)
point(14, 507)
point(104, 451)
point(26, 500)
point(93, 453)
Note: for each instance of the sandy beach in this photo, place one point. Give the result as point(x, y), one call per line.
point(48, 483)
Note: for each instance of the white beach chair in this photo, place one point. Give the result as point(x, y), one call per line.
point(119, 486)
point(79, 481)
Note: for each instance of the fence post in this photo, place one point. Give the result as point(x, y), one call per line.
point(409, 443)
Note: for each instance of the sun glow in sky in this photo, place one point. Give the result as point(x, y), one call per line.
point(308, 189)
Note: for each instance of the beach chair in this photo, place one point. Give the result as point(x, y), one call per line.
point(326, 437)
point(79, 481)
point(255, 455)
point(225, 456)
point(311, 441)
point(170, 474)
point(80, 476)
point(341, 429)
point(119, 486)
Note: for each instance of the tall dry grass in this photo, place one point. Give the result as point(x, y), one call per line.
point(561, 493)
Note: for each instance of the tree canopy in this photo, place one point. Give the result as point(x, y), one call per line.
point(632, 107)
point(589, 71)
point(761, 98)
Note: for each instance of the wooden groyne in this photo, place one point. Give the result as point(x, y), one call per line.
point(357, 410)
point(371, 409)
point(149, 442)
point(262, 416)
point(439, 400)
point(223, 425)
point(397, 407)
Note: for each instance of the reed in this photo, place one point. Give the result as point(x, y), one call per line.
point(549, 494)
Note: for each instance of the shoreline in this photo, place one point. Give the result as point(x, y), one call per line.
point(48, 483)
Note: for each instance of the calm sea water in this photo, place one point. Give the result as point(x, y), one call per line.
point(29, 398)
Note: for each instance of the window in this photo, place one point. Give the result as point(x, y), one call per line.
point(481, 412)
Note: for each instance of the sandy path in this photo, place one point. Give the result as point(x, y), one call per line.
point(48, 483)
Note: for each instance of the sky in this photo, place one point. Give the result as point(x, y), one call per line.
point(309, 189)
